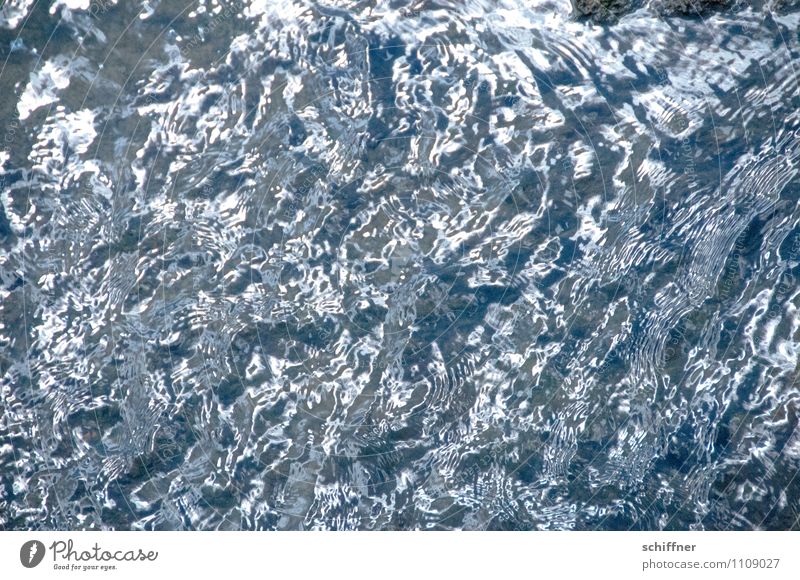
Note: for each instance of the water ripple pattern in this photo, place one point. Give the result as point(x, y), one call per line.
point(366, 264)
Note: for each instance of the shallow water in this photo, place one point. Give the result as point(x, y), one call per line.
point(361, 265)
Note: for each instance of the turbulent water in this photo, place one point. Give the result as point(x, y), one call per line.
point(288, 264)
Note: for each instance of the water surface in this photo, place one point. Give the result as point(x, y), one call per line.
point(375, 265)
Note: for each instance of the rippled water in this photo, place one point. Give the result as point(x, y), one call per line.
point(374, 265)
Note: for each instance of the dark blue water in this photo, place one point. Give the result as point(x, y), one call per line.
point(367, 265)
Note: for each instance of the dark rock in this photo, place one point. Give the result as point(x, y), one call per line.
point(603, 10)
point(690, 7)
point(609, 11)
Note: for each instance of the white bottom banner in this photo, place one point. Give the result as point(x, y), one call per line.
point(356, 555)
